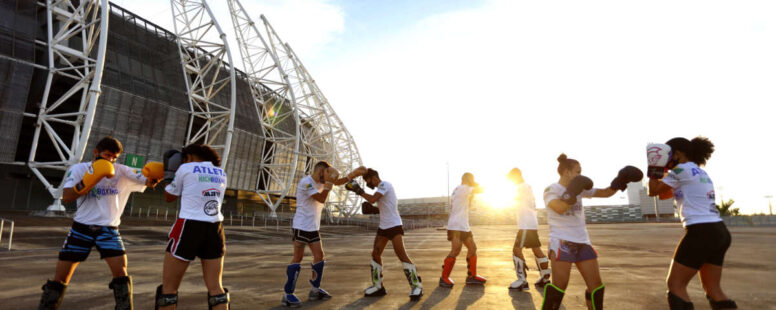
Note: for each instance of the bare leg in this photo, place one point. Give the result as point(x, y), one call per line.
point(592, 276)
point(678, 277)
point(471, 247)
point(64, 271)
point(455, 247)
point(172, 274)
point(298, 252)
point(211, 272)
point(398, 248)
point(560, 272)
point(317, 249)
point(377, 249)
point(711, 276)
point(117, 265)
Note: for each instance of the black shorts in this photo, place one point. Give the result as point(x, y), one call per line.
point(305, 236)
point(527, 238)
point(462, 235)
point(190, 239)
point(391, 232)
point(704, 243)
point(82, 238)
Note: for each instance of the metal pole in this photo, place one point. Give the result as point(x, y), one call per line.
point(2, 223)
point(10, 237)
point(657, 215)
point(165, 214)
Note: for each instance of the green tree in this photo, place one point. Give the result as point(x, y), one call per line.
point(726, 210)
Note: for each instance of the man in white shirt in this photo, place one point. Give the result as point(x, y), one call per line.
point(311, 194)
point(459, 233)
point(527, 235)
point(101, 188)
point(390, 229)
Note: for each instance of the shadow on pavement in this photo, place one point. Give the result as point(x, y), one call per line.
point(469, 295)
point(522, 299)
point(436, 296)
point(362, 302)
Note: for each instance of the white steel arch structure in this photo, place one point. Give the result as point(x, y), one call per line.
point(344, 155)
point(275, 102)
point(74, 31)
point(202, 58)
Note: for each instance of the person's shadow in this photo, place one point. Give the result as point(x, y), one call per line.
point(523, 299)
point(436, 296)
point(470, 294)
point(362, 302)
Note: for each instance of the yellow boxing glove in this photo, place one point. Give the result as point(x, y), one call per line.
point(154, 170)
point(100, 168)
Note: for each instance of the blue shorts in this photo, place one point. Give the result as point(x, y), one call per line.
point(572, 252)
point(82, 238)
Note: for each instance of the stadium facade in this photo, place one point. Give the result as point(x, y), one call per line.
point(145, 100)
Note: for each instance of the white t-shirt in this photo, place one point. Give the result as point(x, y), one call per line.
point(308, 210)
point(526, 208)
point(459, 211)
point(389, 209)
point(105, 202)
point(570, 225)
point(694, 194)
point(200, 186)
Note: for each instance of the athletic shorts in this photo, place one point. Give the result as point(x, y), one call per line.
point(82, 238)
point(391, 232)
point(190, 239)
point(572, 252)
point(462, 235)
point(305, 236)
point(704, 243)
point(527, 238)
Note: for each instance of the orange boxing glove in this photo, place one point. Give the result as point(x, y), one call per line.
point(154, 170)
point(666, 195)
point(100, 169)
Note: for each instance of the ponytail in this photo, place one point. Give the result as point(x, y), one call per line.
point(697, 150)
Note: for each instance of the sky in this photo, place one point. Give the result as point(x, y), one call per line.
point(431, 89)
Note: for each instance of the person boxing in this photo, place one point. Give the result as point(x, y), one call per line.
point(459, 233)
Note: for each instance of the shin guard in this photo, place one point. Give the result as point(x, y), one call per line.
point(553, 296)
point(722, 304)
point(447, 268)
point(677, 303)
point(543, 265)
point(315, 281)
point(416, 287)
point(377, 288)
point(163, 300)
point(53, 292)
point(216, 300)
point(596, 298)
point(473, 277)
point(292, 273)
point(122, 292)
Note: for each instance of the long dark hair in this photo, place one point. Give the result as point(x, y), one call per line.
point(698, 150)
point(203, 151)
point(565, 163)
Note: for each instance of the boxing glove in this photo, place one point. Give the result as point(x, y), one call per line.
point(625, 176)
point(368, 208)
point(658, 156)
point(330, 175)
point(576, 186)
point(354, 187)
point(171, 160)
point(154, 170)
point(101, 168)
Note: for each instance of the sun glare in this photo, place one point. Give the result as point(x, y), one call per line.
point(497, 195)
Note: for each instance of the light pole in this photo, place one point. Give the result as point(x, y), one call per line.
point(770, 206)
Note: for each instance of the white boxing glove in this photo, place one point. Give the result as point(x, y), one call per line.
point(658, 156)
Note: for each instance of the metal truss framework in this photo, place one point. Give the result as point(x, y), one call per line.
point(203, 60)
point(283, 90)
point(74, 32)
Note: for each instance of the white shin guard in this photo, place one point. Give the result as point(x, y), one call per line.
point(416, 287)
point(377, 279)
point(544, 273)
point(520, 283)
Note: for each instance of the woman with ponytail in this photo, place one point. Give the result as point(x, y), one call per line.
point(569, 242)
point(706, 239)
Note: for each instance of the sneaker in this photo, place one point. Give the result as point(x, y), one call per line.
point(291, 301)
point(374, 291)
point(520, 285)
point(319, 294)
point(475, 280)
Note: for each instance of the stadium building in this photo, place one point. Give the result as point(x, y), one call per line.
point(272, 134)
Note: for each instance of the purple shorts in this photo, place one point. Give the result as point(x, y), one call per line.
point(572, 252)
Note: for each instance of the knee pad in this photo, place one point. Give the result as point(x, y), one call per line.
point(596, 297)
point(163, 300)
point(676, 303)
point(122, 292)
point(553, 296)
point(722, 304)
point(216, 300)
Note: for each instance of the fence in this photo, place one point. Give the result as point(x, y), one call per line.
point(10, 232)
point(750, 220)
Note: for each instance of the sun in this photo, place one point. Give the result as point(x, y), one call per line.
point(498, 194)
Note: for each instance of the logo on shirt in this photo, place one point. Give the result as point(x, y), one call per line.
point(211, 192)
point(678, 170)
point(99, 192)
point(210, 179)
point(710, 195)
point(309, 186)
point(211, 207)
